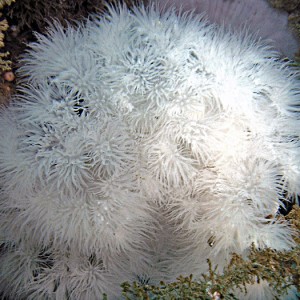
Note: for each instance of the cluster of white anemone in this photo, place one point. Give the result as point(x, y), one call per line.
point(140, 145)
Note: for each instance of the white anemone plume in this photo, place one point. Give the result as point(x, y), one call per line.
point(140, 144)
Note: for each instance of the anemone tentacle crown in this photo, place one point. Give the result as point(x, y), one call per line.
point(141, 144)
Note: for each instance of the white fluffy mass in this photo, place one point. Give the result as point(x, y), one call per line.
point(140, 144)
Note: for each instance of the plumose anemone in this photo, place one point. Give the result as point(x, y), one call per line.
point(139, 145)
